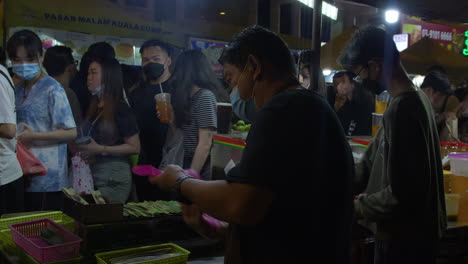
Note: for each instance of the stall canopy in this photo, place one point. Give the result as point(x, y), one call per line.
point(425, 53)
point(86, 16)
point(330, 52)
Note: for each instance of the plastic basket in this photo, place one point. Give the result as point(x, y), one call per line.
point(26, 259)
point(5, 233)
point(104, 258)
point(57, 216)
point(27, 236)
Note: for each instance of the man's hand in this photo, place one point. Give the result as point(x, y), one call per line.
point(168, 178)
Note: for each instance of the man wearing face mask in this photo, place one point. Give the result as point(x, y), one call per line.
point(156, 60)
point(400, 180)
point(274, 176)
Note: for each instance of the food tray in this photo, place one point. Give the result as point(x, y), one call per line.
point(104, 258)
point(27, 236)
point(93, 213)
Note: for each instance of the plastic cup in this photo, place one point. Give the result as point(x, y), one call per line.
point(381, 102)
point(377, 120)
point(163, 105)
point(224, 113)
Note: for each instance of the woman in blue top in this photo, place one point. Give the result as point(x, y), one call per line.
point(45, 115)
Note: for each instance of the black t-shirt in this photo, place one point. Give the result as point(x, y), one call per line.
point(152, 131)
point(297, 149)
point(356, 115)
point(105, 133)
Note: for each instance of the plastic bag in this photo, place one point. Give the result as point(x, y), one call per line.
point(80, 175)
point(173, 149)
point(30, 165)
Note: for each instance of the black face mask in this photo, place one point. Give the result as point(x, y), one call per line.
point(373, 86)
point(153, 70)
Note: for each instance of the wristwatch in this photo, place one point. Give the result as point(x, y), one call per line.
point(176, 190)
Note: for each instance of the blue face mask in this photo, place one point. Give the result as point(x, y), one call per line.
point(26, 71)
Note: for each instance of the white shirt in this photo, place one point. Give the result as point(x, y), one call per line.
point(10, 169)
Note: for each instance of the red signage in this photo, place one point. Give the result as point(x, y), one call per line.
point(450, 37)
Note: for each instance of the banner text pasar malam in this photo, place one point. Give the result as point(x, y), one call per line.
point(100, 21)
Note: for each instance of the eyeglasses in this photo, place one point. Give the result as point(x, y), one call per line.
point(358, 76)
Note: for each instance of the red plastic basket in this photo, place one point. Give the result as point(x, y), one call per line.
point(27, 236)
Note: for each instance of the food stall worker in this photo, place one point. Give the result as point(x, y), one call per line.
point(268, 198)
point(400, 178)
point(244, 109)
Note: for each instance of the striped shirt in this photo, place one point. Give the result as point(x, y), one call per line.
point(202, 115)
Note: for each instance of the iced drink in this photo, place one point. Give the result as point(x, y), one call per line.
point(163, 105)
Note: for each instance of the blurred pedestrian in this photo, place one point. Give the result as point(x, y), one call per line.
point(156, 61)
point(60, 65)
point(400, 180)
point(353, 105)
point(11, 180)
point(445, 105)
point(113, 128)
point(98, 50)
point(44, 113)
point(195, 91)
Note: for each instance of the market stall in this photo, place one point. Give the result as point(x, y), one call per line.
point(426, 52)
point(100, 233)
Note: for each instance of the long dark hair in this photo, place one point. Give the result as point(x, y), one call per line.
point(192, 69)
point(112, 86)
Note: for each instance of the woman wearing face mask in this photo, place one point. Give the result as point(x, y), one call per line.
point(46, 118)
point(195, 90)
point(113, 128)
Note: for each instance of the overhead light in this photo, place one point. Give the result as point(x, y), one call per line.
point(327, 72)
point(392, 16)
point(222, 13)
point(328, 10)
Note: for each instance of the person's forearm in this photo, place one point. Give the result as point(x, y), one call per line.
point(124, 149)
point(7, 131)
point(201, 193)
point(199, 158)
point(207, 231)
point(216, 199)
point(60, 135)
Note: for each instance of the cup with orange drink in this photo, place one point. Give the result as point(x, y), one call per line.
point(381, 102)
point(377, 120)
point(163, 105)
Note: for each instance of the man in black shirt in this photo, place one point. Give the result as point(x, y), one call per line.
point(353, 104)
point(156, 60)
point(400, 180)
point(290, 198)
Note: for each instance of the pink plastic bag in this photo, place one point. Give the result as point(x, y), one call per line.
point(80, 175)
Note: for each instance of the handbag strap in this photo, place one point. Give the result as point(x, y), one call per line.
point(8, 80)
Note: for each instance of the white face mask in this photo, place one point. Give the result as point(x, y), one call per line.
point(97, 91)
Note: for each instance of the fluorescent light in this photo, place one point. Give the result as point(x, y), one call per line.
point(327, 72)
point(392, 16)
point(328, 10)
